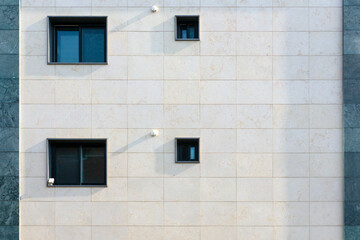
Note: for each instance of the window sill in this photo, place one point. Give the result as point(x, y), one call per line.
point(185, 39)
point(78, 186)
point(190, 162)
point(78, 63)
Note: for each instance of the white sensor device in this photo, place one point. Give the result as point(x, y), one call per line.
point(154, 133)
point(51, 181)
point(154, 8)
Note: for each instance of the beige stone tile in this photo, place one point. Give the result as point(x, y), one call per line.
point(182, 189)
point(326, 233)
point(109, 116)
point(326, 165)
point(116, 190)
point(145, 189)
point(33, 164)
point(254, 116)
point(73, 133)
point(326, 43)
point(255, 233)
point(254, 67)
point(145, 164)
point(326, 140)
point(116, 138)
point(142, 19)
point(34, 140)
point(36, 43)
point(38, 3)
point(37, 233)
point(109, 213)
point(182, 213)
point(291, 43)
point(117, 17)
point(291, 189)
point(217, 92)
point(34, 18)
point(68, 3)
point(255, 213)
point(254, 189)
point(73, 232)
point(254, 92)
point(325, 3)
point(72, 213)
point(290, 3)
point(326, 92)
point(332, 63)
point(109, 92)
point(72, 11)
point(326, 213)
point(225, 116)
point(82, 194)
point(216, 140)
point(118, 41)
point(291, 140)
point(181, 67)
point(290, 19)
point(42, 116)
point(218, 165)
point(291, 213)
point(37, 91)
point(326, 116)
point(216, 233)
point(145, 3)
point(172, 169)
point(254, 3)
point(215, 3)
point(143, 233)
point(183, 48)
point(181, 3)
point(218, 19)
point(109, 3)
point(181, 92)
point(291, 116)
point(145, 92)
point(146, 43)
point(291, 92)
point(218, 43)
point(326, 189)
point(73, 116)
point(254, 19)
point(218, 189)
point(171, 134)
point(218, 67)
point(325, 19)
point(35, 67)
point(140, 141)
point(145, 116)
point(182, 233)
point(181, 116)
point(254, 43)
point(117, 68)
point(109, 233)
point(291, 67)
point(254, 165)
point(254, 140)
point(291, 165)
point(117, 164)
point(218, 213)
point(73, 72)
point(35, 189)
point(292, 233)
point(145, 213)
point(73, 91)
point(146, 67)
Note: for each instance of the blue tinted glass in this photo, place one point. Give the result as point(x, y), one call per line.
point(67, 165)
point(67, 46)
point(93, 45)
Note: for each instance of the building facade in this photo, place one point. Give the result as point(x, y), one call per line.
point(258, 83)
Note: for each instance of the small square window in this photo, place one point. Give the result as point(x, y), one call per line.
point(187, 150)
point(187, 28)
point(77, 162)
point(77, 40)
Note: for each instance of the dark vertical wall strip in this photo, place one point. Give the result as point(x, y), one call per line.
point(351, 92)
point(9, 119)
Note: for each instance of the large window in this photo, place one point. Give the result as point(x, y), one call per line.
point(77, 40)
point(77, 162)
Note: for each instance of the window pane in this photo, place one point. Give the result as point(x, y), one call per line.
point(93, 45)
point(68, 46)
point(67, 165)
point(93, 163)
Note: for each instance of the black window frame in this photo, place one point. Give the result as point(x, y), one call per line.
point(51, 141)
point(187, 18)
point(75, 22)
point(178, 140)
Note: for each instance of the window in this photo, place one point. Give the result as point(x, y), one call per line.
point(187, 150)
point(77, 40)
point(77, 162)
point(187, 28)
